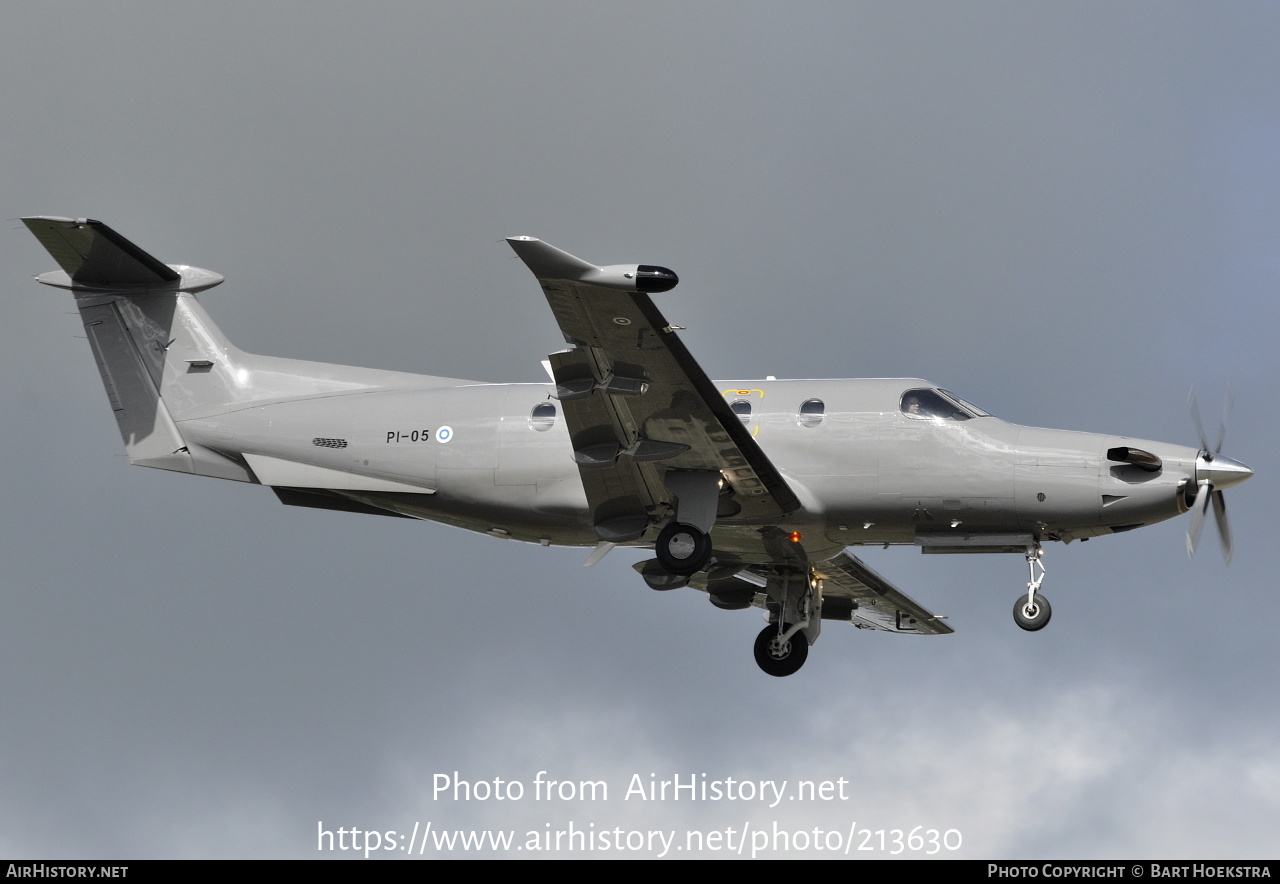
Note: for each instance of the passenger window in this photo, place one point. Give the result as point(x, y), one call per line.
point(811, 412)
point(742, 408)
point(543, 417)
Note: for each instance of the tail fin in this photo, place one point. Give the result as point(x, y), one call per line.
point(133, 306)
point(167, 368)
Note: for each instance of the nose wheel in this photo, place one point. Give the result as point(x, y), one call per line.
point(1032, 614)
point(780, 657)
point(1032, 611)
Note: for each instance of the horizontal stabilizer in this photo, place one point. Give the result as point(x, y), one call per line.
point(93, 256)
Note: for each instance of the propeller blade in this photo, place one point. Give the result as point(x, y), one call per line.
point(1195, 416)
point(1211, 469)
point(1224, 527)
point(1197, 517)
point(1226, 412)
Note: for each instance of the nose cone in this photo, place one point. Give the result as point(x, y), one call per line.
point(1221, 472)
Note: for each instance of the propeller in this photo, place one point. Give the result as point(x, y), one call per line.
point(1213, 474)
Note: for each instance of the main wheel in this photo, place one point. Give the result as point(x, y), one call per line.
point(682, 549)
point(780, 660)
point(1034, 616)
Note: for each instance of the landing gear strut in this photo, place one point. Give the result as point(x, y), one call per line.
point(683, 549)
point(781, 649)
point(795, 618)
point(1032, 611)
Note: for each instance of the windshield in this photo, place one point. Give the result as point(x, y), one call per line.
point(976, 411)
point(926, 403)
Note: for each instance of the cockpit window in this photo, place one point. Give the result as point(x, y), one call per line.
point(927, 404)
point(977, 412)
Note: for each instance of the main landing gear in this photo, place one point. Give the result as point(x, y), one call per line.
point(795, 612)
point(683, 549)
point(1032, 611)
point(781, 649)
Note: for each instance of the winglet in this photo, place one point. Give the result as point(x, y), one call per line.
point(548, 262)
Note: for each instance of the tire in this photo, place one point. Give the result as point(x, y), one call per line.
point(682, 549)
point(1032, 621)
point(785, 662)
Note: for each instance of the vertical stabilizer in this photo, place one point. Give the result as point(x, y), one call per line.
point(135, 309)
point(166, 366)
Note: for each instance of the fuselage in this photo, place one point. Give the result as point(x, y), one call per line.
point(867, 467)
point(748, 490)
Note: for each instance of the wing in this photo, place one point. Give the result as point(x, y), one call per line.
point(638, 405)
point(852, 591)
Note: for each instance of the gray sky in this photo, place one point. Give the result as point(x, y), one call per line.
point(1066, 213)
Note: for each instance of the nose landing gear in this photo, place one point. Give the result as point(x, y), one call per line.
point(1032, 615)
point(1032, 611)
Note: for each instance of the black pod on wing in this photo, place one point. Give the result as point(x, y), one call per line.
point(651, 278)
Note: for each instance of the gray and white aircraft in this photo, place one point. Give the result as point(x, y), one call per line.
point(750, 491)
